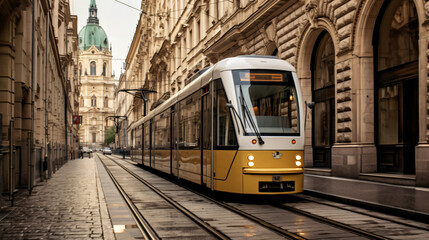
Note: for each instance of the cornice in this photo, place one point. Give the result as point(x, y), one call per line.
point(264, 13)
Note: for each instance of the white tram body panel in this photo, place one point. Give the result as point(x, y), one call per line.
point(208, 134)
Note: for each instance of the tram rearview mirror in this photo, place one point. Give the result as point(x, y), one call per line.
point(310, 104)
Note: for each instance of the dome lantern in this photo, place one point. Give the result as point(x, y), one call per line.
point(93, 34)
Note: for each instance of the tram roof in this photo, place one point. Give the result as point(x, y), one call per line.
point(253, 62)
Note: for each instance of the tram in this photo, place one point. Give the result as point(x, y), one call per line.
point(238, 127)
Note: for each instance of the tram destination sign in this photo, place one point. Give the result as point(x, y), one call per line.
point(261, 77)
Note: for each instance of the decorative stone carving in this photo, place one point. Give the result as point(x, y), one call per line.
point(311, 11)
point(427, 9)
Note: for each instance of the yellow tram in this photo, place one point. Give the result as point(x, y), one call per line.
point(238, 127)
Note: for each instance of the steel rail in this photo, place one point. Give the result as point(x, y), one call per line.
point(257, 220)
point(143, 225)
point(331, 222)
point(305, 197)
point(179, 207)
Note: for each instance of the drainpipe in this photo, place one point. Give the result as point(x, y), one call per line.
point(65, 120)
point(11, 188)
point(46, 157)
point(66, 94)
point(31, 133)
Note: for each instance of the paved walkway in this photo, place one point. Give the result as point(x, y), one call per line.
point(66, 206)
point(407, 201)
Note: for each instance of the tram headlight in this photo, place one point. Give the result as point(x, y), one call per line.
point(250, 158)
point(298, 162)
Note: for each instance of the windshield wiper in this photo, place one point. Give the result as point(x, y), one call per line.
point(250, 119)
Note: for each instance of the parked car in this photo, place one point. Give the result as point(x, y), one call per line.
point(86, 150)
point(107, 150)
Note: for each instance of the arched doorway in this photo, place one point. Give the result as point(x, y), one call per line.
point(396, 86)
point(323, 95)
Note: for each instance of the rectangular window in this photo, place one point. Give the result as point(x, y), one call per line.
point(94, 137)
point(161, 124)
point(267, 99)
point(146, 143)
point(197, 32)
point(190, 121)
point(225, 133)
point(138, 138)
point(388, 115)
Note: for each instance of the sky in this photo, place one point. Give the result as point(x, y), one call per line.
point(118, 21)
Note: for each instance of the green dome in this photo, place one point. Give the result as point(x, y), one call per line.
point(93, 34)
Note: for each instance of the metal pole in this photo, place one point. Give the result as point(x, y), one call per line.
point(46, 159)
point(212, 92)
point(33, 72)
point(11, 185)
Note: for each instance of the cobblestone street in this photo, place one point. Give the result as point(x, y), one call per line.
point(66, 206)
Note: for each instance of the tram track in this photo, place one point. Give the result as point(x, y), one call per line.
point(143, 225)
point(143, 222)
point(281, 230)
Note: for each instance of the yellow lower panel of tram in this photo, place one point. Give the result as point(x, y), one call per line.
point(274, 172)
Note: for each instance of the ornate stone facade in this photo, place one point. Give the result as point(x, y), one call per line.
point(38, 89)
point(174, 39)
point(97, 82)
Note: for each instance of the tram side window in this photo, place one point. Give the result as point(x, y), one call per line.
point(225, 133)
point(146, 144)
point(190, 121)
point(137, 141)
point(162, 130)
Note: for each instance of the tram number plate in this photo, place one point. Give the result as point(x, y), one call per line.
point(277, 178)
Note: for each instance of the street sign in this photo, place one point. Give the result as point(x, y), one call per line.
point(76, 119)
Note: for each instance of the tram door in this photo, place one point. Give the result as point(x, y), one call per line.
point(206, 123)
point(174, 164)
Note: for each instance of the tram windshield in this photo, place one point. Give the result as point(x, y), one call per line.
point(268, 100)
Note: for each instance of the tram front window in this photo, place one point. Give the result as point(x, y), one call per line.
point(269, 100)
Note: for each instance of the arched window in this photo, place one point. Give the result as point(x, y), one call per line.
point(398, 34)
point(93, 69)
point(323, 86)
point(237, 4)
point(396, 88)
point(104, 69)
point(106, 102)
point(80, 69)
point(93, 101)
point(81, 102)
point(324, 63)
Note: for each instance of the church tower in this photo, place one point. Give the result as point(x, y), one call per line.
point(97, 82)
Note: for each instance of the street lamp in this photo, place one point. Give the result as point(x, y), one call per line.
point(139, 93)
point(116, 120)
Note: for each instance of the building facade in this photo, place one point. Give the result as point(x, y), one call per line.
point(362, 65)
point(38, 55)
point(96, 100)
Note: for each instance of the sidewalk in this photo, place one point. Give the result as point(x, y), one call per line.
point(66, 206)
point(406, 201)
